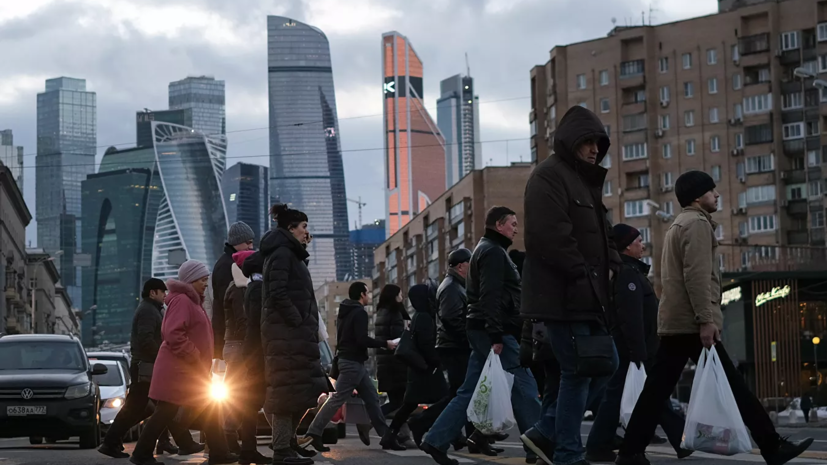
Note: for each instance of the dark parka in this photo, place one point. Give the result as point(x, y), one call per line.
point(391, 373)
point(633, 316)
point(569, 251)
point(251, 347)
point(222, 276)
point(235, 317)
point(289, 327)
point(146, 339)
point(424, 387)
point(453, 308)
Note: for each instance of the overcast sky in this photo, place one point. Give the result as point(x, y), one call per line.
point(129, 50)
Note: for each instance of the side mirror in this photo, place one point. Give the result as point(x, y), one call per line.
point(99, 369)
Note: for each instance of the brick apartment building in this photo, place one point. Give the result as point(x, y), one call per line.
point(735, 94)
point(419, 249)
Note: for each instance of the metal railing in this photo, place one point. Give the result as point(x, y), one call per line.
point(755, 258)
point(754, 44)
point(631, 68)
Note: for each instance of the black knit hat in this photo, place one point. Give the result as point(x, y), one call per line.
point(692, 185)
point(624, 235)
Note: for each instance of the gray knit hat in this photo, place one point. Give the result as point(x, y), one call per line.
point(240, 233)
point(192, 270)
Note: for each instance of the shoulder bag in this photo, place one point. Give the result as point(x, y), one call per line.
point(406, 350)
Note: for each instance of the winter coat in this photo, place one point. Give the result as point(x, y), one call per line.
point(352, 339)
point(221, 277)
point(145, 340)
point(691, 279)
point(426, 387)
point(390, 371)
point(181, 375)
point(289, 327)
point(633, 315)
point(569, 250)
point(493, 289)
point(251, 347)
point(453, 308)
point(235, 318)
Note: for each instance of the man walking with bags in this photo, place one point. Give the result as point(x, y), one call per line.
point(690, 319)
point(493, 323)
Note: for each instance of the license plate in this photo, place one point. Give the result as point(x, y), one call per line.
point(24, 410)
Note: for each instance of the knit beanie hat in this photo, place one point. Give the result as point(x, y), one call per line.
point(240, 233)
point(192, 270)
point(253, 264)
point(624, 235)
point(239, 257)
point(692, 185)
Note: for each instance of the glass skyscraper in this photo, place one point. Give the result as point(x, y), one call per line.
point(362, 243)
point(12, 156)
point(247, 196)
point(458, 118)
point(66, 139)
point(144, 119)
point(306, 169)
point(205, 97)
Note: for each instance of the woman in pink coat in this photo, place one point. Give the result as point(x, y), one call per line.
point(181, 376)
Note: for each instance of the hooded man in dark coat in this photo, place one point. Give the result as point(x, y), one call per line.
point(570, 260)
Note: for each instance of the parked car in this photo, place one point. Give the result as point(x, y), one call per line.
point(123, 358)
point(47, 389)
point(113, 390)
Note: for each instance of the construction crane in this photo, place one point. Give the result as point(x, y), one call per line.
point(360, 204)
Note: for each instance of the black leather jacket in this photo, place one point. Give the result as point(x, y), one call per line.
point(493, 289)
point(453, 308)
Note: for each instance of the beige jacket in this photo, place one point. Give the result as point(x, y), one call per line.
point(690, 276)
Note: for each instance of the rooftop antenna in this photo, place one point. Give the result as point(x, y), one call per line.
point(467, 66)
point(642, 18)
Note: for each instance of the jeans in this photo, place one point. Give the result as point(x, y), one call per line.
point(561, 422)
point(604, 428)
point(165, 414)
point(352, 375)
point(524, 397)
point(666, 372)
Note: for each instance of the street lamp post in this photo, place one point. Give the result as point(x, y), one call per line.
point(34, 287)
point(816, 341)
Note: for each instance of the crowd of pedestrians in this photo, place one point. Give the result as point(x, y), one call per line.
point(566, 318)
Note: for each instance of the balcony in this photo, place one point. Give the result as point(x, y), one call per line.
point(754, 44)
point(793, 176)
point(739, 258)
point(799, 237)
point(817, 236)
point(793, 148)
point(631, 73)
point(797, 208)
point(790, 57)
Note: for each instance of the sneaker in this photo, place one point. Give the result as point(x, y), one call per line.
point(439, 457)
point(786, 451)
point(112, 451)
point(364, 433)
point(195, 448)
point(312, 441)
point(249, 457)
point(539, 444)
point(634, 459)
point(600, 455)
point(222, 459)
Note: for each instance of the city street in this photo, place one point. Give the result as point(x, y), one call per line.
point(350, 451)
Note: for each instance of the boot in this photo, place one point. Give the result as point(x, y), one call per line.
point(313, 441)
point(289, 457)
point(249, 457)
point(460, 442)
point(112, 451)
point(478, 444)
point(165, 445)
point(439, 457)
point(364, 433)
point(390, 441)
point(294, 444)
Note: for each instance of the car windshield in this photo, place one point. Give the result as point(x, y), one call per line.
point(41, 355)
point(111, 378)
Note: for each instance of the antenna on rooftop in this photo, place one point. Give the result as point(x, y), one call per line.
point(467, 66)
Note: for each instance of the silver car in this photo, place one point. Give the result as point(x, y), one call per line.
point(113, 388)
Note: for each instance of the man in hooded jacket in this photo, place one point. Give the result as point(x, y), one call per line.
point(570, 260)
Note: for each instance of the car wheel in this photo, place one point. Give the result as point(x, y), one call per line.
point(91, 438)
point(35, 440)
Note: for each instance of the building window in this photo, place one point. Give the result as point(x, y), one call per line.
point(739, 141)
point(668, 208)
point(791, 101)
point(815, 189)
point(742, 200)
point(690, 147)
point(812, 128)
point(604, 105)
point(817, 219)
point(713, 115)
point(584, 104)
point(664, 121)
point(712, 85)
point(604, 77)
point(634, 151)
point(581, 81)
point(789, 40)
point(822, 64)
point(634, 122)
point(687, 60)
point(639, 96)
point(822, 32)
point(759, 194)
point(760, 164)
point(757, 104)
point(689, 118)
point(645, 235)
point(795, 192)
point(719, 232)
point(742, 229)
point(736, 54)
point(667, 150)
point(736, 81)
point(664, 94)
point(608, 129)
point(607, 189)
point(738, 110)
point(715, 144)
point(688, 89)
point(716, 172)
point(663, 64)
point(812, 158)
point(606, 162)
point(763, 223)
point(634, 208)
point(793, 131)
point(667, 179)
point(739, 169)
point(643, 180)
point(711, 56)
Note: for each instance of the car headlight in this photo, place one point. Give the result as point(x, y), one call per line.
point(115, 402)
point(78, 391)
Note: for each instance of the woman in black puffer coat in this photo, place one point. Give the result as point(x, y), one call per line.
point(391, 320)
point(289, 329)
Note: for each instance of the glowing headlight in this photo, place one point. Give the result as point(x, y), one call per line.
point(115, 402)
point(78, 391)
point(218, 390)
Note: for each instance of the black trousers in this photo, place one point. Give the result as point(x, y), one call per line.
point(207, 420)
point(134, 411)
point(665, 374)
point(395, 400)
point(455, 362)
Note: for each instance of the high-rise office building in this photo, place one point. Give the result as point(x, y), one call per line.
point(204, 95)
point(306, 169)
point(12, 156)
point(458, 118)
point(362, 243)
point(414, 147)
point(144, 119)
point(247, 196)
point(66, 139)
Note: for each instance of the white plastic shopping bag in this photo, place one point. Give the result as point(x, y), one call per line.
point(713, 422)
point(490, 408)
point(635, 379)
